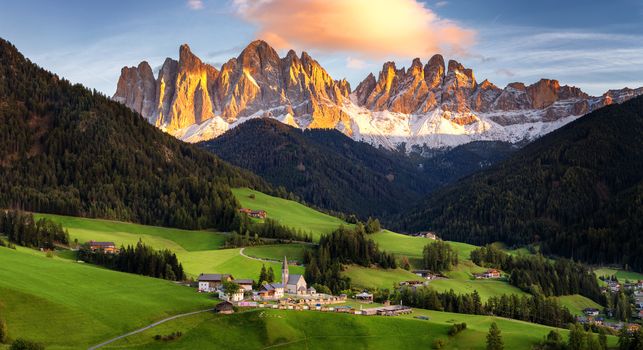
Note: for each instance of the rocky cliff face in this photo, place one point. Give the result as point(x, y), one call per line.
point(195, 101)
point(433, 105)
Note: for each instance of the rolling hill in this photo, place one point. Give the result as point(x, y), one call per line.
point(66, 149)
point(577, 191)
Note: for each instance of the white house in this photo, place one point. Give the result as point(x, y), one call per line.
point(271, 291)
point(293, 284)
point(238, 296)
point(246, 284)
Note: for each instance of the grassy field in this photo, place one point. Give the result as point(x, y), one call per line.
point(288, 212)
point(576, 303)
point(486, 288)
point(377, 278)
point(281, 329)
point(68, 305)
point(293, 252)
point(127, 233)
point(197, 251)
point(412, 247)
point(620, 274)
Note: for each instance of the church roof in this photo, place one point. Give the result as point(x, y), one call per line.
point(293, 279)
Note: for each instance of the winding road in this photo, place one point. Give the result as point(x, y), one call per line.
point(147, 327)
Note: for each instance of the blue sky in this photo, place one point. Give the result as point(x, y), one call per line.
point(595, 45)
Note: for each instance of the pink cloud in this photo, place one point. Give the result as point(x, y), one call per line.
point(195, 4)
point(373, 28)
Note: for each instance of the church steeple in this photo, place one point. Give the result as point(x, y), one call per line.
point(284, 272)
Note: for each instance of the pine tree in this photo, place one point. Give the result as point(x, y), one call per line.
point(4, 332)
point(494, 338)
point(270, 276)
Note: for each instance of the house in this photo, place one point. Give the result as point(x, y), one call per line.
point(425, 273)
point(491, 273)
point(210, 282)
point(364, 297)
point(238, 296)
point(271, 291)
point(106, 247)
point(590, 311)
point(224, 307)
point(257, 214)
point(633, 327)
point(293, 284)
point(428, 234)
point(312, 291)
point(246, 284)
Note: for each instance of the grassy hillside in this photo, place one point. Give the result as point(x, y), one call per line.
point(197, 250)
point(294, 252)
point(280, 329)
point(576, 303)
point(620, 274)
point(289, 213)
point(68, 305)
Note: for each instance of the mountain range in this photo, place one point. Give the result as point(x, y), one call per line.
point(436, 105)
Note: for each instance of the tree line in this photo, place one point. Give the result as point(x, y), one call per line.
point(536, 309)
point(438, 256)
point(140, 259)
point(23, 229)
point(343, 246)
point(536, 274)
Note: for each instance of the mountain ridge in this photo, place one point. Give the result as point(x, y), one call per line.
point(435, 105)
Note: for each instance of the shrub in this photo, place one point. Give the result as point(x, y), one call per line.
point(169, 337)
point(457, 328)
point(438, 344)
point(50, 254)
point(22, 344)
point(4, 332)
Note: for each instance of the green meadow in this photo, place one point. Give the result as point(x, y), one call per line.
point(69, 305)
point(197, 251)
point(289, 213)
point(281, 329)
point(622, 275)
point(293, 252)
point(576, 303)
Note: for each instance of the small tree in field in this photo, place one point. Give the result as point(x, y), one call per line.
point(230, 288)
point(494, 339)
point(4, 332)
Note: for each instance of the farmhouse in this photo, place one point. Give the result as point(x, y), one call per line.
point(293, 284)
point(426, 274)
point(238, 296)
point(258, 214)
point(590, 311)
point(210, 282)
point(271, 291)
point(224, 307)
point(428, 234)
point(364, 297)
point(492, 273)
point(246, 284)
point(107, 247)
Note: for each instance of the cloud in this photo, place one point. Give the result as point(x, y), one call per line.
point(355, 63)
point(195, 4)
point(371, 28)
point(441, 3)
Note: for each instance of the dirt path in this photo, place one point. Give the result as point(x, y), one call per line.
point(253, 258)
point(147, 327)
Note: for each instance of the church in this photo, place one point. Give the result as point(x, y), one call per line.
point(293, 284)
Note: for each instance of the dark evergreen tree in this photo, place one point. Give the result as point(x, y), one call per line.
point(494, 338)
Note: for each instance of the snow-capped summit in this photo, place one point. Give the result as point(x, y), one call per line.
point(422, 106)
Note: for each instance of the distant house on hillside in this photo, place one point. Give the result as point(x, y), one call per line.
point(107, 247)
point(491, 273)
point(428, 234)
point(246, 284)
point(258, 214)
point(590, 311)
point(210, 282)
point(364, 297)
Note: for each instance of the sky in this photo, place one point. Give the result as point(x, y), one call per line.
point(595, 45)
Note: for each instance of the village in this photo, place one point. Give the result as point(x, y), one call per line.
point(292, 293)
point(594, 316)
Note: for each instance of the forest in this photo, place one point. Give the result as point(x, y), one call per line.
point(68, 150)
point(577, 192)
point(22, 229)
point(141, 260)
point(343, 246)
point(536, 274)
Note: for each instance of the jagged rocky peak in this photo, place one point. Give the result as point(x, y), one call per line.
point(434, 71)
point(136, 87)
point(189, 92)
